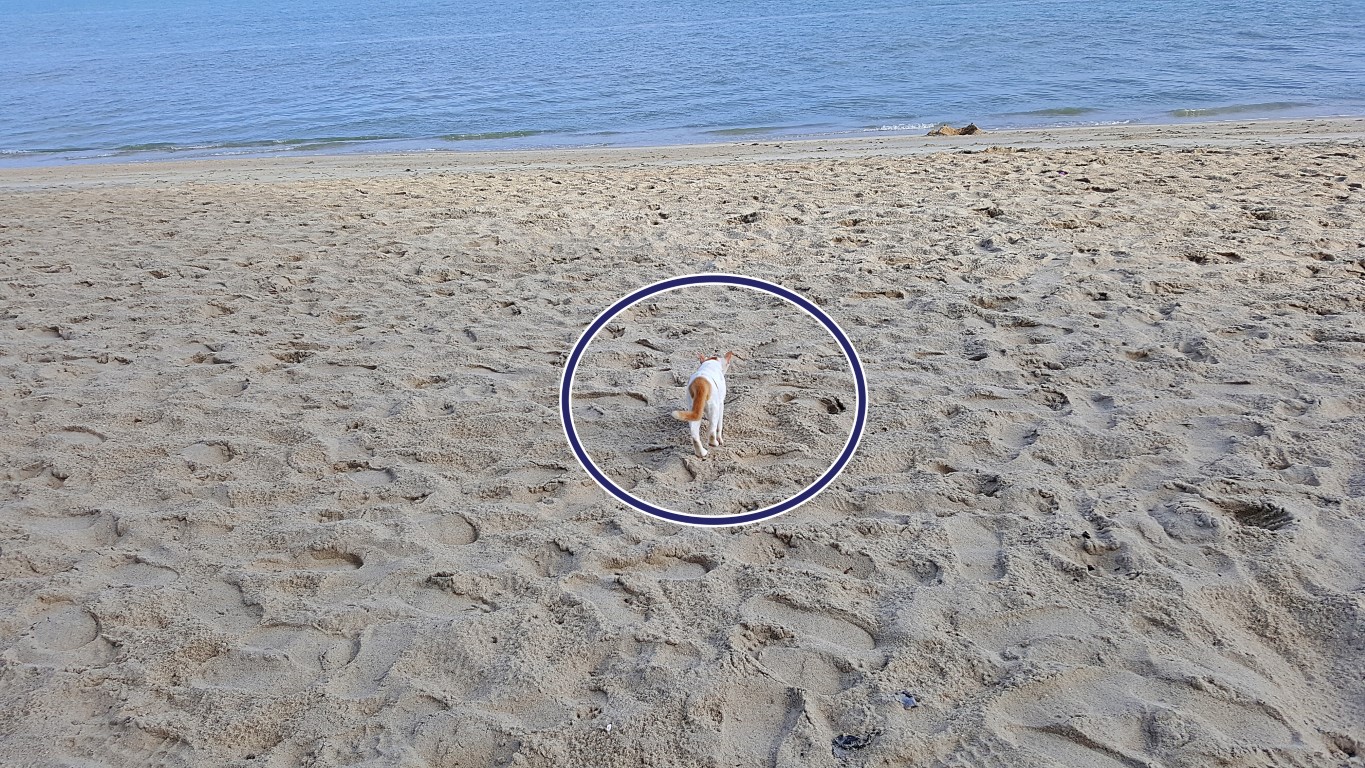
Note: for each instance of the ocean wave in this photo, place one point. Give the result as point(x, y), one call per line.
point(48, 151)
point(1055, 112)
point(1239, 109)
point(902, 127)
point(294, 143)
point(491, 135)
point(755, 130)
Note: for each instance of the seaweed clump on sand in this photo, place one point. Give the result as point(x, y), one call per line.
point(969, 129)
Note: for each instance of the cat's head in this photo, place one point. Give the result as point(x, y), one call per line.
point(725, 365)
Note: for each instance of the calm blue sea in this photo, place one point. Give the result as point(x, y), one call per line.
point(87, 79)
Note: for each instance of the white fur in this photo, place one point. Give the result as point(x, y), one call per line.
point(713, 370)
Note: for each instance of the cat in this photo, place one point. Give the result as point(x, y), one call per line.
point(707, 390)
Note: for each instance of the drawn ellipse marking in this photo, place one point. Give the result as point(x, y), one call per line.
point(807, 493)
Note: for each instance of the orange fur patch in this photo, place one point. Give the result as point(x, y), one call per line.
point(701, 392)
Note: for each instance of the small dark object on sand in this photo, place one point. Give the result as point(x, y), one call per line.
point(844, 743)
point(969, 129)
point(908, 699)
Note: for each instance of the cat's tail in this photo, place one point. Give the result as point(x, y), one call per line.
point(701, 392)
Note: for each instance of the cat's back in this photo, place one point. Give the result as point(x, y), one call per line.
point(714, 371)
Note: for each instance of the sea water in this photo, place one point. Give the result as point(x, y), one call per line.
point(85, 79)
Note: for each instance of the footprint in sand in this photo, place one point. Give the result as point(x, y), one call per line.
point(672, 569)
point(1257, 514)
point(222, 606)
point(208, 453)
point(979, 552)
point(452, 529)
point(372, 478)
point(139, 574)
point(608, 596)
point(41, 332)
point(761, 715)
point(62, 633)
point(80, 436)
point(62, 627)
point(768, 709)
point(816, 629)
point(828, 557)
point(276, 659)
point(320, 560)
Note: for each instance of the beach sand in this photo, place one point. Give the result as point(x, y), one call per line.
point(284, 479)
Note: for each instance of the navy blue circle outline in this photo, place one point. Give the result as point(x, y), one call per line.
point(809, 492)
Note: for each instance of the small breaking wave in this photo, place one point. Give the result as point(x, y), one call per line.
point(1239, 109)
point(902, 127)
point(755, 130)
point(1055, 112)
point(491, 135)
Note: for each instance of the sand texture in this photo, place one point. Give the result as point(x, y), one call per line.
point(283, 480)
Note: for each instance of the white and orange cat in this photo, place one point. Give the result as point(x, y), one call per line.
point(707, 390)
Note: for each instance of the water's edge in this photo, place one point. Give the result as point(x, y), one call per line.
point(532, 140)
point(1347, 130)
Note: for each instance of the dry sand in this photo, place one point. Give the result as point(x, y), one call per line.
point(285, 483)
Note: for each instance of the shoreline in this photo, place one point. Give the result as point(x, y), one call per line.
point(550, 141)
point(379, 165)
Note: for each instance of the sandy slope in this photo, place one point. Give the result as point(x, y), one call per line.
point(285, 483)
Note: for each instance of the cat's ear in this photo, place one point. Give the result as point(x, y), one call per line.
point(728, 357)
point(701, 357)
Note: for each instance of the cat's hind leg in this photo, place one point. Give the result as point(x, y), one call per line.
point(712, 424)
point(718, 424)
point(695, 426)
